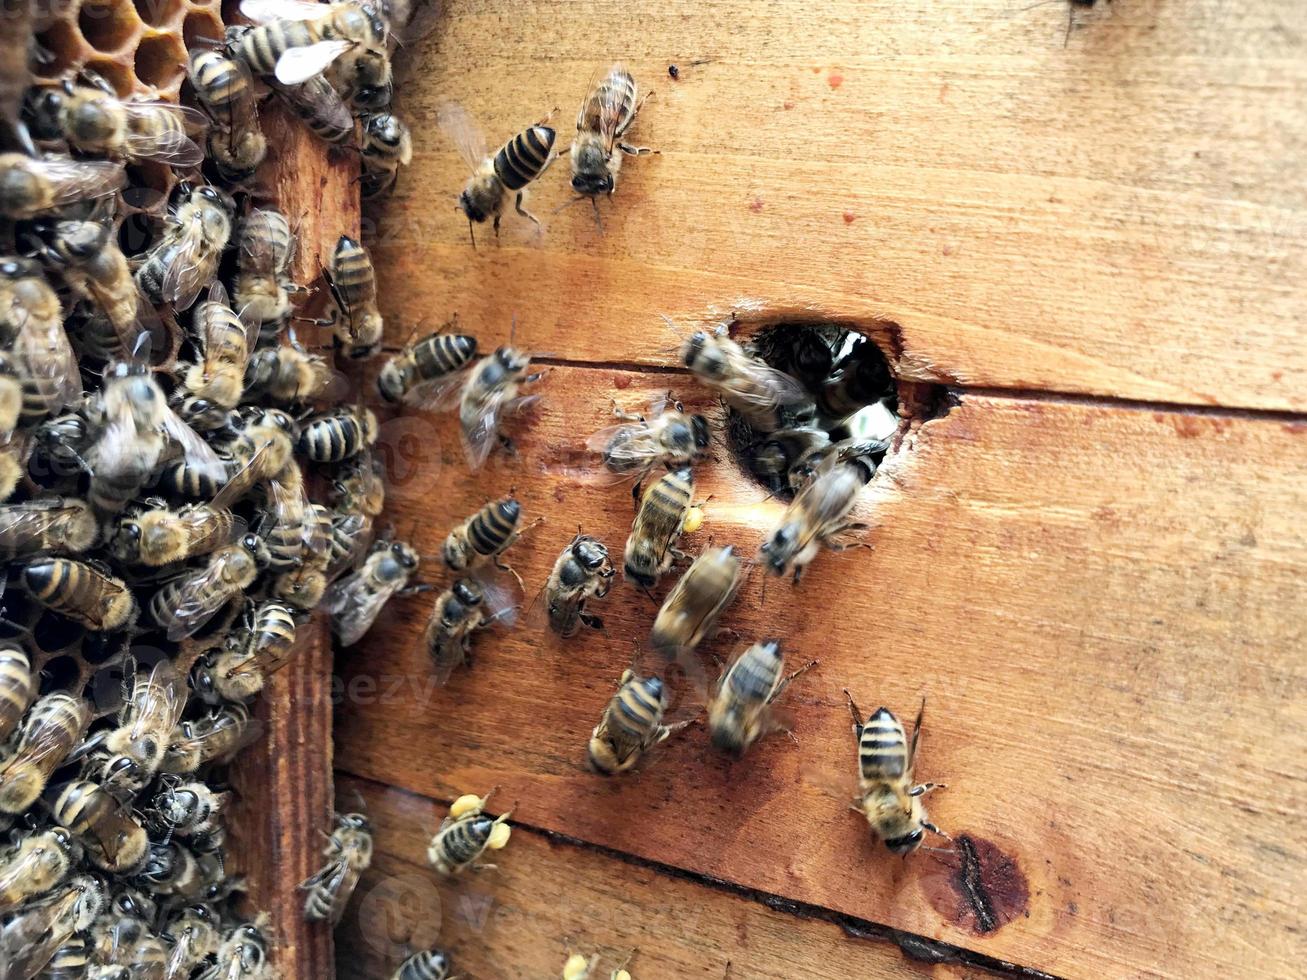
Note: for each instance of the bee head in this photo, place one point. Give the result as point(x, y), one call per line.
point(80, 239)
point(590, 553)
point(471, 208)
point(728, 733)
point(699, 426)
point(356, 821)
point(779, 548)
point(405, 555)
point(43, 110)
point(906, 844)
point(371, 98)
point(639, 563)
point(15, 269)
point(218, 198)
point(467, 592)
point(123, 770)
point(257, 548)
point(590, 173)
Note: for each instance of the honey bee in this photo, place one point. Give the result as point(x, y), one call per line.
point(427, 964)
point(52, 729)
point(39, 929)
point(320, 107)
point(304, 585)
point(225, 89)
point(351, 537)
point(34, 866)
point(387, 146)
point(71, 961)
point(513, 167)
point(216, 737)
point(158, 535)
point(356, 321)
point(816, 515)
point(664, 508)
point(466, 834)
point(41, 359)
point(428, 370)
point(356, 600)
point(170, 869)
point(632, 724)
point(32, 185)
point(348, 853)
point(462, 609)
point(262, 284)
point(63, 524)
point(83, 592)
point(192, 937)
point(92, 119)
point(111, 836)
point(360, 485)
point(607, 112)
point(237, 671)
point(887, 796)
point(219, 375)
point(338, 435)
point(185, 259)
point(490, 393)
point(18, 686)
point(777, 455)
point(184, 604)
point(694, 604)
point(288, 375)
point(582, 572)
point(186, 808)
point(745, 382)
point(134, 750)
point(739, 708)
point(667, 437)
point(487, 534)
point(242, 955)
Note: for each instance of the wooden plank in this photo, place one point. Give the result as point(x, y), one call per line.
point(516, 923)
point(1120, 216)
point(1098, 600)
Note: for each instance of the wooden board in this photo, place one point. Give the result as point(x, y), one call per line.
point(507, 923)
point(1122, 215)
point(1097, 600)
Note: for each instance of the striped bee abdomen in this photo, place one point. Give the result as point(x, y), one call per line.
point(883, 748)
point(636, 711)
point(491, 530)
point(523, 158)
point(465, 840)
point(443, 353)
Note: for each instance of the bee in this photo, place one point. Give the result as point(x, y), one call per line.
point(320, 107)
point(71, 961)
point(356, 600)
point(157, 535)
point(462, 609)
point(111, 836)
point(356, 321)
point(219, 375)
point(775, 456)
point(513, 167)
point(266, 447)
point(664, 508)
point(170, 869)
point(491, 392)
point(18, 687)
point(38, 930)
point(637, 445)
point(816, 515)
point(887, 796)
point(186, 808)
point(428, 964)
point(296, 41)
point(185, 259)
point(85, 593)
point(184, 604)
point(53, 727)
point(63, 524)
point(351, 537)
point(41, 360)
point(466, 834)
point(746, 382)
point(236, 672)
point(216, 737)
point(288, 375)
point(861, 378)
point(97, 272)
point(632, 724)
point(32, 185)
point(242, 955)
point(607, 112)
point(427, 370)
point(34, 866)
point(739, 708)
point(224, 88)
point(582, 572)
point(387, 146)
point(693, 606)
point(134, 749)
point(192, 937)
point(348, 853)
point(338, 435)
point(486, 534)
point(266, 247)
point(360, 485)
point(92, 119)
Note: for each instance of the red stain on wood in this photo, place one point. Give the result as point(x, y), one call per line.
point(849, 217)
point(756, 204)
point(787, 104)
point(835, 80)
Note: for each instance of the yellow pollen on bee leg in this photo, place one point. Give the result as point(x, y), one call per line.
point(693, 520)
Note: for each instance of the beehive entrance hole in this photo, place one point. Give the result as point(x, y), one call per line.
point(853, 391)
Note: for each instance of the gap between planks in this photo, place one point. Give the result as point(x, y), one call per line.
point(914, 947)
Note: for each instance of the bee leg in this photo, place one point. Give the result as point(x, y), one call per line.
point(935, 830)
point(857, 716)
point(485, 867)
point(780, 688)
point(503, 566)
point(496, 226)
point(635, 492)
point(517, 206)
point(667, 731)
point(925, 788)
point(636, 151)
point(594, 622)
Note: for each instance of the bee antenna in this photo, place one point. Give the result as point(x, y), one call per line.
point(470, 233)
point(599, 221)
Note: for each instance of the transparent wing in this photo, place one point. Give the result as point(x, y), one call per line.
point(171, 146)
point(462, 129)
point(29, 940)
point(439, 394)
point(258, 248)
point(203, 592)
point(300, 64)
point(22, 523)
point(358, 529)
point(613, 108)
point(20, 866)
point(199, 454)
point(480, 425)
point(354, 612)
point(187, 271)
point(763, 387)
point(158, 700)
point(79, 180)
point(267, 11)
point(500, 603)
point(48, 356)
point(629, 446)
point(52, 742)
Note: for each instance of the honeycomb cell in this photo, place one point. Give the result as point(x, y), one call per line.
point(53, 633)
point(160, 61)
point(201, 29)
point(148, 186)
point(108, 27)
point(61, 674)
point(159, 13)
point(136, 233)
point(118, 75)
point(59, 50)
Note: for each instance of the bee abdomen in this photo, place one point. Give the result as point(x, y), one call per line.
point(318, 905)
point(333, 439)
point(636, 711)
point(442, 354)
point(351, 269)
point(753, 678)
point(217, 79)
point(465, 841)
point(493, 526)
point(426, 965)
point(521, 159)
point(883, 748)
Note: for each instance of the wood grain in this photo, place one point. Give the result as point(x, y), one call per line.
point(508, 924)
point(1120, 216)
point(1099, 601)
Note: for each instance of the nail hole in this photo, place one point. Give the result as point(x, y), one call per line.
point(160, 61)
point(107, 27)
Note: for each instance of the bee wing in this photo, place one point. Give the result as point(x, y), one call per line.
point(613, 111)
point(29, 523)
point(639, 448)
point(361, 541)
point(52, 741)
point(48, 356)
point(438, 394)
point(79, 180)
point(764, 387)
point(267, 11)
point(241, 482)
point(462, 129)
point(300, 64)
point(19, 867)
point(34, 934)
point(157, 700)
point(259, 248)
point(171, 146)
point(332, 879)
point(201, 595)
point(499, 602)
point(354, 609)
point(198, 453)
point(481, 429)
point(185, 275)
